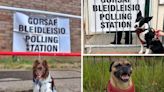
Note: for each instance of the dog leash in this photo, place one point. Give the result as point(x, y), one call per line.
point(156, 32)
point(53, 87)
point(138, 31)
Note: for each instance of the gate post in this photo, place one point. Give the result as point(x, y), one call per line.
point(147, 6)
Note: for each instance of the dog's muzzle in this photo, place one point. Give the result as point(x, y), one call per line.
point(123, 73)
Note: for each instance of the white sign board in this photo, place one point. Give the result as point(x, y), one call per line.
point(40, 34)
point(113, 15)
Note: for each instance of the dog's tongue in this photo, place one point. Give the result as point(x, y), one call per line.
point(125, 77)
point(39, 75)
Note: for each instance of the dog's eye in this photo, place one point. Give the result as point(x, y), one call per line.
point(117, 66)
point(39, 68)
point(128, 65)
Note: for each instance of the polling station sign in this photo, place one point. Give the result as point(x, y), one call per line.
point(40, 33)
point(113, 15)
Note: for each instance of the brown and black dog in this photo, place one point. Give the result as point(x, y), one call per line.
point(42, 81)
point(120, 78)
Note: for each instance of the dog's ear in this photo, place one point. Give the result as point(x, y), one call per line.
point(110, 68)
point(34, 67)
point(144, 20)
point(139, 14)
point(35, 63)
point(45, 63)
point(147, 19)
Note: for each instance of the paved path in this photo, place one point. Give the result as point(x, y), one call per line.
point(21, 81)
point(105, 39)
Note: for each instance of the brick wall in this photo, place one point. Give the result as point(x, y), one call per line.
point(62, 6)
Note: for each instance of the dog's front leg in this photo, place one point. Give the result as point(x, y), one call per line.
point(141, 49)
point(148, 47)
point(147, 51)
point(148, 42)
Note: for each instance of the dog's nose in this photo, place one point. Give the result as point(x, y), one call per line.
point(135, 26)
point(125, 69)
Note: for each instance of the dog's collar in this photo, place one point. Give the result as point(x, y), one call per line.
point(110, 88)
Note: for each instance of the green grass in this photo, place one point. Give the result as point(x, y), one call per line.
point(27, 62)
point(148, 73)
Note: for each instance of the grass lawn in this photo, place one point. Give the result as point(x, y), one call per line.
point(148, 73)
point(60, 63)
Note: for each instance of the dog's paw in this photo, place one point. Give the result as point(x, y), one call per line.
point(147, 51)
point(140, 52)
